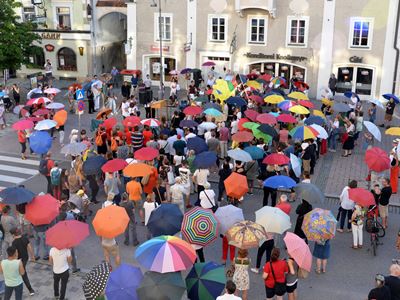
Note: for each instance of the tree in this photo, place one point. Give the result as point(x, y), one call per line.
point(16, 37)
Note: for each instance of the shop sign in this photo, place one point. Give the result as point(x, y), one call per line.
point(356, 59)
point(51, 36)
point(157, 48)
point(276, 56)
point(49, 47)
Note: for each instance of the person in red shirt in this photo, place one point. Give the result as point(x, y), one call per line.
point(147, 134)
point(152, 181)
point(284, 205)
point(22, 141)
point(274, 275)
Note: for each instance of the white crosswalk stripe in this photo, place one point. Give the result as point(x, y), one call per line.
point(14, 170)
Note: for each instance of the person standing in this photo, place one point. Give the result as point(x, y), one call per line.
point(22, 141)
point(381, 291)
point(111, 185)
point(274, 276)
point(266, 248)
point(384, 197)
point(96, 88)
point(357, 227)
point(230, 288)
point(90, 97)
point(114, 76)
point(332, 83)
point(60, 260)
point(241, 276)
point(346, 206)
point(45, 165)
point(301, 211)
point(389, 112)
point(130, 210)
point(393, 281)
point(134, 83)
point(394, 167)
point(12, 269)
point(16, 93)
point(48, 70)
point(223, 141)
point(322, 252)
point(8, 222)
point(55, 177)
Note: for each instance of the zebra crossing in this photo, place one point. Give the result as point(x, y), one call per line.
point(14, 170)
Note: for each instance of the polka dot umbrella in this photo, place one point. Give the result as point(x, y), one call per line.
point(199, 226)
point(96, 280)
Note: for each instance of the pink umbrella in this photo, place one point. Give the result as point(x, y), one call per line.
point(208, 64)
point(41, 112)
point(266, 119)
point(52, 91)
point(41, 100)
point(251, 114)
point(299, 250)
point(23, 124)
point(110, 123)
point(257, 99)
point(286, 118)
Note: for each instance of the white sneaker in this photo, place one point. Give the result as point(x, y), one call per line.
point(254, 270)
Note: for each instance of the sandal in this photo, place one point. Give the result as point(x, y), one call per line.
point(317, 271)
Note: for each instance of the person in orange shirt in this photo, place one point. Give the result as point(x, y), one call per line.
point(22, 141)
point(128, 137)
point(147, 134)
point(134, 190)
point(152, 182)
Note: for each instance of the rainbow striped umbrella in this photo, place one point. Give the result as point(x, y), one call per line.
point(165, 253)
point(304, 133)
point(199, 226)
point(286, 104)
point(278, 82)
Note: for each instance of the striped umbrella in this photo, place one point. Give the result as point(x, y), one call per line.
point(151, 122)
point(304, 133)
point(199, 226)
point(285, 105)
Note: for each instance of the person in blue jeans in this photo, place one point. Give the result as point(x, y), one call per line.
point(12, 269)
point(334, 133)
point(39, 233)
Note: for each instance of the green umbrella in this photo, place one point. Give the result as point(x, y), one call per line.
point(250, 125)
point(201, 99)
point(260, 135)
point(157, 286)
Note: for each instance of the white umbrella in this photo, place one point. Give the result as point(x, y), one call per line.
point(273, 219)
point(377, 103)
point(55, 105)
point(45, 125)
point(296, 166)
point(373, 129)
point(207, 125)
point(73, 149)
point(240, 155)
point(322, 134)
point(227, 216)
point(52, 91)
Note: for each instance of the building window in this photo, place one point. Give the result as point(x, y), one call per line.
point(257, 30)
point(297, 31)
point(361, 33)
point(37, 60)
point(29, 13)
point(217, 28)
point(66, 59)
point(63, 18)
point(166, 27)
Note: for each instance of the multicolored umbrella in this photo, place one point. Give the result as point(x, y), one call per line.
point(299, 110)
point(146, 154)
point(93, 164)
point(156, 286)
point(96, 281)
point(276, 159)
point(67, 234)
point(362, 197)
point(227, 216)
point(41, 100)
point(239, 155)
point(199, 226)
point(298, 96)
point(197, 144)
point(42, 210)
point(242, 137)
point(73, 149)
point(286, 118)
point(114, 165)
point(123, 282)
point(273, 219)
point(286, 104)
point(279, 181)
point(23, 125)
point(322, 133)
point(40, 142)
point(274, 99)
point(16, 195)
point(151, 122)
point(246, 235)
point(205, 281)
point(319, 225)
point(110, 221)
point(192, 110)
point(164, 254)
point(377, 159)
point(279, 81)
point(299, 250)
point(303, 133)
point(166, 219)
point(255, 152)
point(236, 185)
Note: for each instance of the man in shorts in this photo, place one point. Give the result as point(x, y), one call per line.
point(384, 197)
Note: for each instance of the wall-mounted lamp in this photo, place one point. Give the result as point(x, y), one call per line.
point(81, 50)
point(103, 49)
point(130, 41)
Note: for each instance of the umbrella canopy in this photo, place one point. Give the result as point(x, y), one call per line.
point(123, 282)
point(301, 85)
point(165, 254)
point(207, 125)
point(186, 71)
point(213, 112)
point(197, 144)
point(16, 195)
point(373, 129)
point(258, 99)
point(246, 235)
point(93, 164)
point(286, 118)
point(166, 219)
point(205, 160)
point(67, 234)
point(73, 149)
point(131, 121)
point(315, 120)
point(236, 101)
point(266, 119)
point(249, 125)
point(114, 165)
point(306, 103)
point(391, 96)
point(205, 281)
point(96, 280)
point(188, 124)
point(236, 185)
point(393, 131)
point(267, 129)
point(274, 99)
point(192, 110)
point(45, 125)
point(377, 159)
point(208, 64)
point(102, 112)
point(55, 105)
point(40, 142)
point(299, 110)
point(303, 133)
point(37, 101)
point(254, 84)
point(273, 219)
point(276, 159)
point(309, 192)
point(51, 91)
point(110, 221)
point(299, 250)
point(295, 163)
point(377, 103)
point(42, 210)
point(298, 96)
point(239, 155)
point(212, 105)
point(41, 112)
point(255, 152)
point(251, 114)
point(322, 133)
point(146, 153)
point(286, 104)
point(319, 225)
point(199, 226)
point(156, 286)
point(137, 170)
point(151, 122)
point(341, 107)
point(60, 117)
point(23, 125)
point(243, 136)
point(362, 197)
point(227, 216)
point(279, 181)
point(110, 123)
point(318, 113)
point(242, 122)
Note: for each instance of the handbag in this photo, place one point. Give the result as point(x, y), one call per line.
point(280, 287)
point(214, 206)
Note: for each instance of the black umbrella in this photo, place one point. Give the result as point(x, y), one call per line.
point(188, 124)
point(309, 192)
point(96, 280)
point(157, 286)
point(269, 130)
point(92, 165)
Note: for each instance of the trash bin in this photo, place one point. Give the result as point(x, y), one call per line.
point(34, 78)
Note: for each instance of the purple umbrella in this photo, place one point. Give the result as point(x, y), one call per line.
point(186, 71)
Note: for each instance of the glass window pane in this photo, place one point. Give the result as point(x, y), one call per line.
point(302, 31)
point(214, 21)
point(261, 38)
point(293, 39)
point(222, 36)
point(254, 30)
point(293, 31)
point(254, 37)
point(214, 36)
point(364, 33)
point(261, 22)
point(253, 22)
point(261, 30)
point(302, 23)
point(222, 21)
point(294, 23)
point(364, 42)
point(301, 40)
point(357, 25)
point(365, 25)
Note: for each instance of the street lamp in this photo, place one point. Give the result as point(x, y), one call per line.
point(160, 37)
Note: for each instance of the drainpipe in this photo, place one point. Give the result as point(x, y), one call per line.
point(396, 48)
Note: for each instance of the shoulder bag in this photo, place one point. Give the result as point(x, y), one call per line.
point(214, 207)
point(280, 287)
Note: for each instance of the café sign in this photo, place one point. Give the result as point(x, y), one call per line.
point(50, 36)
point(276, 56)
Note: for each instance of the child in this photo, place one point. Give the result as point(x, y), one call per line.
point(148, 206)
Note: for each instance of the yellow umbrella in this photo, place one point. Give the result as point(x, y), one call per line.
point(300, 110)
point(253, 84)
point(393, 131)
point(318, 113)
point(274, 99)
point(298, 96)
point(327, 101)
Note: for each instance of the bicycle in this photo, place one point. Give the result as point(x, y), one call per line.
point(376, 231)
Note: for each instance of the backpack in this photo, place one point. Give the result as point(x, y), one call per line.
point(43, 167)
point(55, 176)
point(114, 144)
point(99, 140)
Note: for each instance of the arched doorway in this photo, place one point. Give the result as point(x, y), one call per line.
point(66, 59)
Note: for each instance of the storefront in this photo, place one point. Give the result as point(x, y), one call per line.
point(222, 61)
point(152, 65)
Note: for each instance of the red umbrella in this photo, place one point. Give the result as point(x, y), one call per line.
point(286, 118)
point(257, 99)
point(377, 159)
point(131, 121)
point(276, 159)
point(41, 100)
point(67, 234)
point(131, 72)
point(41, 112)
point(301, 85)
point(266, 119)
point(146, 153)
point(110, 123)
point(192, 110)
point(306, 103)
point(243, 136)
point(241, 122)
point(114, 165)
point(75, 86)
point(362, 197)
point(236, 185)
point(266, 77)
point(251, 114)
point(34, 119)
point(252, 76)
point(42, 210)
point(23, 124)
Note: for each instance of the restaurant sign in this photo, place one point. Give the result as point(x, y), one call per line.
point(275, 56)
point(50, 36)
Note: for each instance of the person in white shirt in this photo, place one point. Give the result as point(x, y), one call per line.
point(149, 205)
point(207, 197)
point(346, 206)
point(60, 259)
point(230, 288)
point(200, 177)
point(170, 142)
point(125, 108)
point(207, 135)
point(184, 174)
point(177, 191)
point(96, 90)
point(234, 125)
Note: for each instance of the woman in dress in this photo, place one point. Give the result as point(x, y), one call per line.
point(241, 275)
point(348, 144)
point(322, 251)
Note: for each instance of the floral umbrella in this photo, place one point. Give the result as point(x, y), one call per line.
point(246, 235)
point(319, 225)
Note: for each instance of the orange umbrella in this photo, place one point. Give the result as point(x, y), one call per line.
point(104, 111)
point(137, 170)
point(60, 117)
point(110, 221)
point(236, 185)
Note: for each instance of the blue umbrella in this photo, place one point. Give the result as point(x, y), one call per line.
point(279, 181)
point(205, 160)
point(236, 101)
point(241, 78)
point(341, 107)
point(197, 144)
point(2, 94)
point(123, 282)
point(40, 142)
point(165, 220)
point(188, 124)
point(315, 120)
point(350, 94)
point(240, 155)
point(212, 112)
point(88, 85)
point(255, 152)
point(278, 92)
point(186, 71)
point(92, 165)
point(212, 105)
point(389, 96)
point(16, 195)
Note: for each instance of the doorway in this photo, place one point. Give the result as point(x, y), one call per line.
point(356, 79)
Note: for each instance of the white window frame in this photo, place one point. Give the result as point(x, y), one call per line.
point(353, 20)
point(218, 41)
point(289, 31)
point(157, 28)
point(55, 5)
point(23, 12)
point(258, 17)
